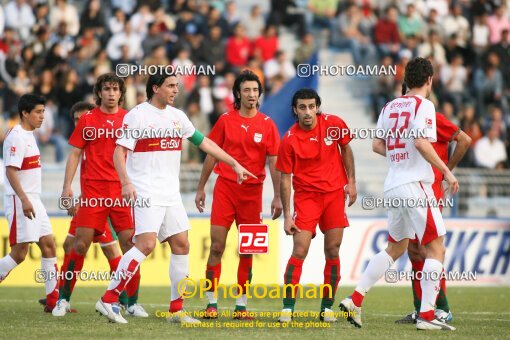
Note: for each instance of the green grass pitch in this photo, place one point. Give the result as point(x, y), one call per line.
point(478, 313)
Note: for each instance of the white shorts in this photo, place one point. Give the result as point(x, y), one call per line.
point(21, 228)
point(165, 221)
point(425, 222)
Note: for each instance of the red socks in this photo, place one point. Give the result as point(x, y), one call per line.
point(213, 273)
point(244, 272)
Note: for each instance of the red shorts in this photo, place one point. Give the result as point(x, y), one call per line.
point(326, 209)
point(105, 238)
point(239, 202)
point(96, 217)
point(437, 188)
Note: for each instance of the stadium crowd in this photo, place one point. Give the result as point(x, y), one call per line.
point(58, 48)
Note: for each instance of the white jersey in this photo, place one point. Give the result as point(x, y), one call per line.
point(21, 151)
point(404, 119)
point(153, 163)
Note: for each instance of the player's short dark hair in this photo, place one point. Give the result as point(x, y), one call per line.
point(80, 106)
point(246, 75)
point(109, 78)
point(156, 79)
point(28, 102)
point(305, 93)
point(418, 71)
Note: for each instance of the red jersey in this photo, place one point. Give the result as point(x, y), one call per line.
point(95, 135)
point(248, 140)
point(313, 157)
point(446, 132)
point(237, 51)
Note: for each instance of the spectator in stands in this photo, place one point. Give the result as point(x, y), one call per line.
point(454, 81)
point(153, 39)
point(495, 117)
point(238, 48)
point(117, 21)
point(490, 151)
point(432, 47)
point(411, 23)
point(127, 6)
point(384, 90)
point(41, 45)
point(472, 128)
point(287, 13)
point(42, 19)
point(351, 35)
point(141, 20)
point(216, 47)
point(64, 12)
point(127, 38)
point(20, 17)
point(488, 83)
point(279, 65)
point(231, 15)
point(456, 23)
point(93, 18)
point(215, 19)
point(452, 48)
point(68, 93)
point(254, 23)
point(498, 22)
point(201, 123)
point(433, 22)
point(324, 12)
point(304, 51)
point(65, 40)
point(386, 35)
point(481, 34)
point(46, 86)
point(266, 46)
point(502, 49)
point(89, 43)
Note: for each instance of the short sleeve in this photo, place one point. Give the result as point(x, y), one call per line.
point(425, 121)
point(187, 126)
point(217, 133)
point(77, 140)
point(273, 141)
point(130, 122)
point(446, 130)
point(14, 151)
point(285, 160)
point(346, 133)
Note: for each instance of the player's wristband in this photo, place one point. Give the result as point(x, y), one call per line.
point(197, 138)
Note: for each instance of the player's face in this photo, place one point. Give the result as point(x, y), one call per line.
point(110, 95)
point(167, 92)
point(35, 117)
point(249, 92)
point(306, 110)
point(77, 116)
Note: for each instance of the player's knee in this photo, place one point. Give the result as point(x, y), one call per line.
point(47, 246)
point(68, 244)
point(332, 251)
point(146, 246)
point(300, 252)
point(180, 247)
point(81, 247)
point(19, 254)
point(110, 251)
point(217, 249)
point(415, 253)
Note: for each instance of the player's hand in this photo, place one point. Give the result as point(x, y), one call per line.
point(289, 226)
point(28, 209)
point(276, 208)
point(453, 184)
point(200, 200)
point(351, 192)
point(242, 173)
point(129, 192)
point(68, 193)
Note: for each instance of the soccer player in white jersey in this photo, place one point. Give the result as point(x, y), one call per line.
point(410, 175)
point(26, 215)
point(152, 171)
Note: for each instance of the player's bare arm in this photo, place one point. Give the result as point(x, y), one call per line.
point(285, 188)
point(276, 204)
point(348, 161)
point(72, 164)
point(11, 173)
point(119, 161)
point(211, 148)
point(463, 143)
point(427, 151)
point(207, 169)
point(379, 146)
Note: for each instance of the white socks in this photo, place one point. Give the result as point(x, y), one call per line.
point(211, 297)
point(376, 268)
point(241, 301)
point(128, 265)
point(6, 265)
point(432, 270)
point(178, 271)
point(49, 266)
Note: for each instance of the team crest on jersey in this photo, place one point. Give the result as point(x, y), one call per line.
point(328, 141)
point(13, 150)
point(257, 137)
point(428, 123)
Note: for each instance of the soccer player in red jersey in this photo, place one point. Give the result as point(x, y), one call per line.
point(151, 170)
point(107, 240)
point(250, 137)
point(93, 139)
point(315, 152)
point(447, 132)
point(26, 215)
